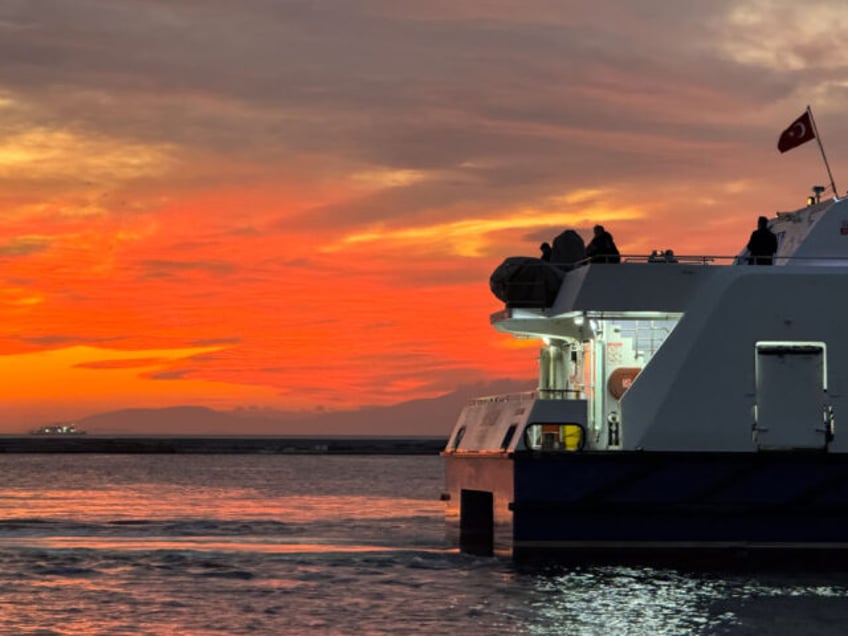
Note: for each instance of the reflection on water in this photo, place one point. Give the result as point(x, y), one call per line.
point(339, 545)
point(647, 601)
point(147, 502)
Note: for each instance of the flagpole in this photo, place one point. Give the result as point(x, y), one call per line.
point(818, 140)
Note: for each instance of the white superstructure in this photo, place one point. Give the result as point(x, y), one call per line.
point(693, 355)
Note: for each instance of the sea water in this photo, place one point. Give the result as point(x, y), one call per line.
point(319, 544)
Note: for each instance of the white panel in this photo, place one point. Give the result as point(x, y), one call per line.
point(790, 397)
point(485, 421)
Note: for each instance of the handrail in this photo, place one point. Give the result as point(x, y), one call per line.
point(535, 291)
point(558, 394)
point(684, 259)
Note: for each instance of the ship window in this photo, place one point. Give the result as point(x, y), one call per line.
point(458, 438)
point(555, 437)
point(508, 437)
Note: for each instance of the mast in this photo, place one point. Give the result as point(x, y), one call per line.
point(818, 140)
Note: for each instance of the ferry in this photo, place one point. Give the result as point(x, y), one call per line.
point(60, 428)
point(687, 407)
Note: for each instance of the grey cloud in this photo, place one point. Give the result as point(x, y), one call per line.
point(458, 276)
point(171, 269)
point(211, 342)
point(175, 374)
point(297, 262)
point(297, 57)
point(53, 340)
point(24, 246)
point(245, 230)
point(121, 363)
point(387, 324)
point(271, 83)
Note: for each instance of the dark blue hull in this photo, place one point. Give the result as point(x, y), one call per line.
point(638, 506)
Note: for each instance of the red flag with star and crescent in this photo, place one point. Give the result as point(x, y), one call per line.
point(799, 132)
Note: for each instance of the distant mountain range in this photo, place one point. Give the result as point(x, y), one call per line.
point(430, 417)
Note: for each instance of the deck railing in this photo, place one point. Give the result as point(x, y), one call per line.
point(531, 293)
point(689, 259)
point(559, 394)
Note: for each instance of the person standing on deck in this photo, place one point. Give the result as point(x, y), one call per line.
point(602, 249)
point(762, 245)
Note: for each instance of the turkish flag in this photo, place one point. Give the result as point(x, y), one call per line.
point(799, 132)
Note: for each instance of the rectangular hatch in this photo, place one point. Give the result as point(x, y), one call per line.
point(791, 408)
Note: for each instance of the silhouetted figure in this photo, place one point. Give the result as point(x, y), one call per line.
point(602, 249)
point(762, 244)
point(568, 249)
point(660, 256)
point(546, 251)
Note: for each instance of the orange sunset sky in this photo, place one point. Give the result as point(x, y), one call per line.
point(297, 204)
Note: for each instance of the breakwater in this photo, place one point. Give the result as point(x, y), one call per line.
point(221, 444)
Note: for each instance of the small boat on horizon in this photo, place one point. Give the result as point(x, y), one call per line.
point(59, 428)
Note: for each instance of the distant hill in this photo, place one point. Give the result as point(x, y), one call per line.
point(430, 417)
point(189, 420)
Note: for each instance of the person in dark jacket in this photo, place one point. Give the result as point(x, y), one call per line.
point(602, 249)
point(762, 244)
point(546, 251)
